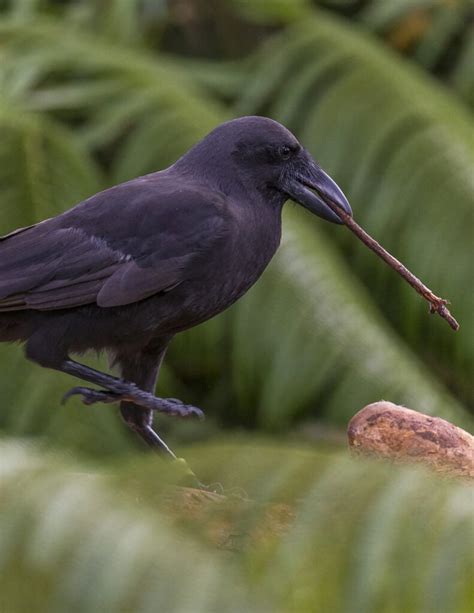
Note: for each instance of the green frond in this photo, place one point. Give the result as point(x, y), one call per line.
point(91, 97)
point(463, 74)
point(80, 545)
point(43, 168)
point(113, 90)
point(362, 110)
point(364, 536)
point(325, 349)
point(273, 11)
point(402, 147)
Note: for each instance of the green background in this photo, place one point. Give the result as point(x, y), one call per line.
point(96, 92)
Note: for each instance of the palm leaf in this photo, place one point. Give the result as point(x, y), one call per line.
point(43, 169)
point(365, 537)
point(402, 148)
point(325, 349)
point(436, 35)
point(85, 547)
point(115, 92)
point(111, 96)
point(273, 383)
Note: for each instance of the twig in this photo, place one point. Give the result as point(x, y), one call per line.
point(437, 304)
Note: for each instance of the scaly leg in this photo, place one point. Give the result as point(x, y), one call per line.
point(134, 392)
point(119, 390)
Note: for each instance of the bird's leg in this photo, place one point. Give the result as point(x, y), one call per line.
point(134, 392)
point(143, 370)
point(119, 390)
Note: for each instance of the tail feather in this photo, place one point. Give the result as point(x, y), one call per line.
point(11, 328)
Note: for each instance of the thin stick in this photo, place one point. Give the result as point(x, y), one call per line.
point(437, 304)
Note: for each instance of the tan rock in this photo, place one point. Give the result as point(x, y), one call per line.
point(390, 431)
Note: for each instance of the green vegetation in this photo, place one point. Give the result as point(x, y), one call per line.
point(368, 538)
point(93, 93)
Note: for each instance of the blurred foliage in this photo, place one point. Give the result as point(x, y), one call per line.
point(96, 92)
point(83, 107)
point(366, 537)
point(402, 148)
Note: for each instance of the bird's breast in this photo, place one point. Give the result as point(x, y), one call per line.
point(223, 275)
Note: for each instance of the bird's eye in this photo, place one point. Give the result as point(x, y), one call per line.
point(284, 152)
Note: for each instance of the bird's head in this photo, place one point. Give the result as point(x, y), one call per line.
point(264, 155)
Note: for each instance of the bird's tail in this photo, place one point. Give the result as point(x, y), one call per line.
point(10, 328)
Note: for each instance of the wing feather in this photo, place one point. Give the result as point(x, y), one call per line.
point(118, 247)
point(130, 283)
point(53, 270)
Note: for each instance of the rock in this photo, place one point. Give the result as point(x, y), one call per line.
point(390, 431)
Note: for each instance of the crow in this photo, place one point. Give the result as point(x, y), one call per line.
point(130, 267)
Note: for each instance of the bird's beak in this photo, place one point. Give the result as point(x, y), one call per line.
point(311, 187)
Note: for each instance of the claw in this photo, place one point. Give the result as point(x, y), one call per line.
point(198, 414)
point(183, 410)
point(90, 396)
point(170, 406)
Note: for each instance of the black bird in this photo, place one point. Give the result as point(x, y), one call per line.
point(128, 268)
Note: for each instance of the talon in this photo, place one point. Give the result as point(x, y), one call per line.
point(90, 396)
point(65, 397)
point(170, 406)
point(72, 392)
point(183, 410)
point(198, 414)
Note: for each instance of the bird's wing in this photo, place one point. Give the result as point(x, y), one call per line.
point(118, 247)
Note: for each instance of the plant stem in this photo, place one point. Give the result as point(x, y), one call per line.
point(437, 304)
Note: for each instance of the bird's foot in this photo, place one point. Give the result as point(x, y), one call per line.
point(173, 406)
point(91, 396)
point(131, 393)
